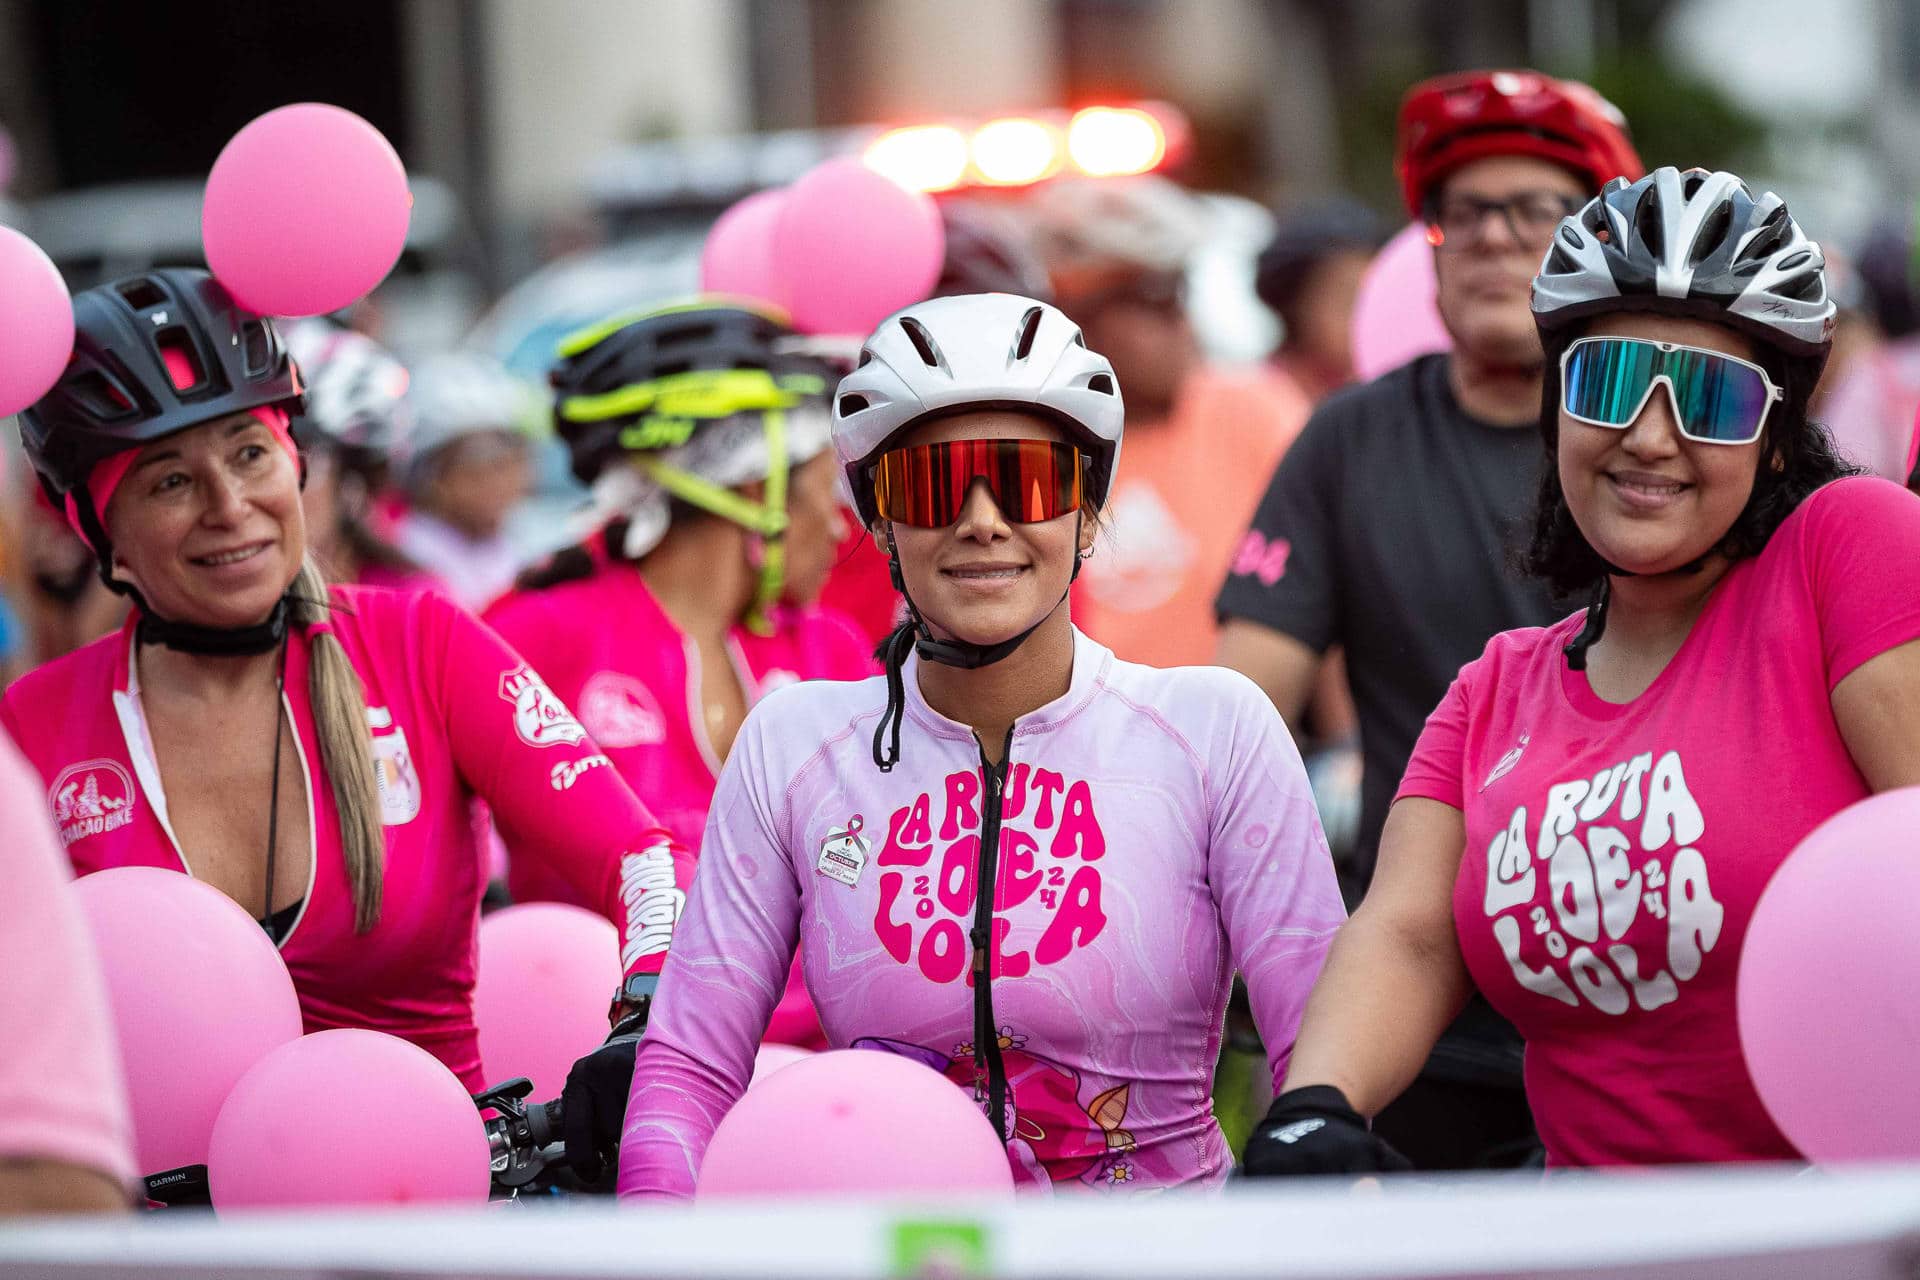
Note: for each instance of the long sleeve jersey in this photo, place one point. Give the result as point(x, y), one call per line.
point(1155, 831)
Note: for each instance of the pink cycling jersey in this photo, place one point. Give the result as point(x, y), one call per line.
point(609, 650)
point(1156, 830)
point(455, 714)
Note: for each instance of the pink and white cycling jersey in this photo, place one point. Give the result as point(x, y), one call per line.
point(1156, 831)
point(610, 652)
point(454, 714)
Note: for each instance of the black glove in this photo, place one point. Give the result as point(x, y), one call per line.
point(595, 1106)
point(1316, 1130)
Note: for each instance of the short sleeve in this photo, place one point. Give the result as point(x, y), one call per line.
point(1439, 760)
point(1284, 574)
point(1860, 552)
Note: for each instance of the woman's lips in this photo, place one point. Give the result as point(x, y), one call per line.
point(231, 556)
point(1645, 492)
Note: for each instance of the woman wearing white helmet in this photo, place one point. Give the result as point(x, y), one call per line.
point(467, 465)
point(1014, 858)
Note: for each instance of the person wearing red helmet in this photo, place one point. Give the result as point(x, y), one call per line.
point(1388, 526)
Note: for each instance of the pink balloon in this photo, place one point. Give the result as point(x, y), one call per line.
point(737, 258)
point(547, 974)
point(306, 211)
point(852, 247)
point(855, 1122)
point(1829, 1015)
point(198, 994)
point(348, 1117)
point(37, 336)
point(1395, 317)
point(771, 1057)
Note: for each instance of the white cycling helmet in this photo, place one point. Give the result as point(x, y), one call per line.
point(355, 389)
point(975, 351)
point(463, 393)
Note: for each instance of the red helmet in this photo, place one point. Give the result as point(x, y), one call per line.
point(1449, 120)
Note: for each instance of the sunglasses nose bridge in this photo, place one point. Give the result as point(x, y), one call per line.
point(1656, 427)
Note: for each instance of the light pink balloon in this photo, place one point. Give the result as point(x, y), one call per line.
point(852, 247)
point(771, 1057)
point(854, 1122)
point(198, 993)
point(737, 257)
point(1829, 1012)
point(306, 210)
point(348, 1117)
point(1395, 317)
point(36, 336)
point(547, 974)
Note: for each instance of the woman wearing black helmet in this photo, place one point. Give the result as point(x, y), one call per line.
point(1595, 807)
point(311, 752)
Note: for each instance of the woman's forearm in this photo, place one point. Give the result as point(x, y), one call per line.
point(1382, 1000)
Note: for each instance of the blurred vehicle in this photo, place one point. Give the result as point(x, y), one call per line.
point(96, 234)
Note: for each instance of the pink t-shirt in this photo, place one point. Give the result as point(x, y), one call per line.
point(454, 715)
point(61, 1097)
point(1615, 852)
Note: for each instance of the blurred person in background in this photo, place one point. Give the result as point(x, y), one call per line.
point(988, 251)
point(66, 1140)
point(1308, 276)
point(703, 436)
point(62, 602)
point(1869, 394)
point(1388, 529)
point(468, 465)
point(356, 419)
point(1204, 439)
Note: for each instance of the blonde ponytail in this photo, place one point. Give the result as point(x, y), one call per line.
point(346, 748)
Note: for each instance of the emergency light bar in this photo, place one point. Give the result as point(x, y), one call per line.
point(1017, 151)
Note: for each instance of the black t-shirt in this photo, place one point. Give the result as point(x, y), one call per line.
point(1389, 530)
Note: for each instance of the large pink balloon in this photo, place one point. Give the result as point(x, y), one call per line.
point(737, 257)
point(198, 994)
point(853, 247)
point(547, 973)
point(36, 336)
point(855, 1122)
point(1829, 1012)
point(306, 210)
point(1395, 317)
point(348, 1117)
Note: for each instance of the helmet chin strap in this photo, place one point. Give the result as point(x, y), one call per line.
point(949, 653)
point(1596, 622)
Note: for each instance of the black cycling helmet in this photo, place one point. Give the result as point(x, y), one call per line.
point(117, 393)
point(1694, 244)
point(642, 382)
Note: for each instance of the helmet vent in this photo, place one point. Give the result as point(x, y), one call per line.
point(1712, 232)
point(98, 395)
point(922, 342)
point(866, 358)
point(255, 349)
point(1101, 384)
point(141, 293)
point(1029, 329)
point(1647, 225)
point(182, 361)
point(853, 402)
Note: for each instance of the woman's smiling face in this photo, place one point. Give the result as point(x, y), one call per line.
point(1648, 499)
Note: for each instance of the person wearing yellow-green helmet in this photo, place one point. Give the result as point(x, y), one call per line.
point(702, 431)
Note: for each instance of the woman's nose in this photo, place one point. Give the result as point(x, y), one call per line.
point(1655, 432)
point(980, 516)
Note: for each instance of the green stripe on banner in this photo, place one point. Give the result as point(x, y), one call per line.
point(929, 1247)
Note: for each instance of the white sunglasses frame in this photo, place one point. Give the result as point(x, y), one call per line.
point(1774, 393)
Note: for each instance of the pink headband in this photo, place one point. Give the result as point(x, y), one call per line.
point(110, 471)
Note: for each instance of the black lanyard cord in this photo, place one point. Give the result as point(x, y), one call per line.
point(273, 802)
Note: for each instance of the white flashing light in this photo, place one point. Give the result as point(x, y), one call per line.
point(1114, 141)
point(929, 157)
point(1015, 151)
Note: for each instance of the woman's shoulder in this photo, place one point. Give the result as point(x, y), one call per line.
point(1509, 656)
point(84, 673)
point(1843, 511)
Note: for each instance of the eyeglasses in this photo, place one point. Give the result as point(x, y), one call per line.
point(926, 485)
point(1716, 398)
point(1530, 216)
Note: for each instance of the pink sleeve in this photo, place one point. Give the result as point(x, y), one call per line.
point(1270, 871)
point(1439, 757)
point(554, 796)
point(61, 1093)
point(727, 971)
point(1861, 550)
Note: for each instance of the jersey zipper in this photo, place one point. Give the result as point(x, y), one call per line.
point(990, 1072)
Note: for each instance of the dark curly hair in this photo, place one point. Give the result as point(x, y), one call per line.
point(1797, 457)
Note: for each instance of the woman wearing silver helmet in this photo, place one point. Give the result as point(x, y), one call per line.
point(1014, 858)
point(1592, 812)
